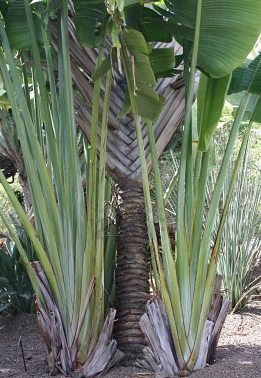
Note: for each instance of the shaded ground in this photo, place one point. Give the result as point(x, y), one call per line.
point(238, 356)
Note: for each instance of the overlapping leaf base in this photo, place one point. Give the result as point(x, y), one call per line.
point(160, 355)
point(62, 356)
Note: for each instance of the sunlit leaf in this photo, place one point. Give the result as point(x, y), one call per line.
point(228, 30)
point(210, 101)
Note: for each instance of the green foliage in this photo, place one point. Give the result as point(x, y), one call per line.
point(6, 205)
point(90, 21)
point(210, 101)
point(242, 78)
point(68, 235)
point(186, 280)
point(162, 62)
point(16, 293)
point(148, 103)
point(220, 25)
point(17, 29)
point(141, 63)
point(235, 100)
point(68, 229)
point(153, 26)
point(241, 242)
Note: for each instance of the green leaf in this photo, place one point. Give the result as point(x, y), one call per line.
point(162, 62)
point(17, 28)
point(5, 306)
point(136, 60)
point(3, 281)
point(247, 78)
point(126, 107)
point(89, 21)
point(105, 65)
point(3, 7)
point(6, 293)
point(153, 26)
point(210, 101)
point(228, 31)
point(145, 20)
point(236, 98)
point(115, 35)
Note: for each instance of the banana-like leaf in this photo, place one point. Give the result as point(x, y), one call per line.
point(247, 78)
point(222, 44)
point(136, 60)
point(150, 23)
point(210, 102)
point(89, 21)
point(17, 27)
point(162, 62)
point(153, 26)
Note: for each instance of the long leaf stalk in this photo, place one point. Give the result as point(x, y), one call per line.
point(238, 164)
point(89, 259)
point(182, 231)
point(177, 332)
point(42, 191)
point(71, 270)
point(179, 304)
point(199, 209)
point(22, 136)
point(190, 278)
point(99, 263)
point(168, 258)
point(172, 184)
point(24, 141)
point(206, 269)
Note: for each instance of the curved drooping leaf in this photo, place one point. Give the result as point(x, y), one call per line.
point(17, 27)
point(247, 78)
point(148, 103)
point(89, 21)
point(153, 26)
point(144, 20)
point(228, 31)
point(210, 101)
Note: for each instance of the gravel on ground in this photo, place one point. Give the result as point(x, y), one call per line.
point(238, 354)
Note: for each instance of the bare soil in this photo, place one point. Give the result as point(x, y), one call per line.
point(238, 354)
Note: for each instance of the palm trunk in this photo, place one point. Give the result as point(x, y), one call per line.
point(132, 272)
